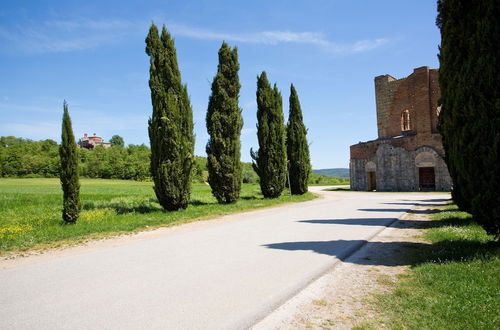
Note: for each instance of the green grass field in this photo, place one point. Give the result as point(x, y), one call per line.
point(454, 283)
point(30, 210)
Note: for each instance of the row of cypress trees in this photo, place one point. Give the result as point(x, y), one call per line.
point(171, 135)
point(469, 78)
point(172, 139)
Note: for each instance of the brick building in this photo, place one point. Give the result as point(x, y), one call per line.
point(408, 154)
point(90, 142)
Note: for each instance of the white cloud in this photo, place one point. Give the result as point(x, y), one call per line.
point(265, 37)
point(90, 24)
point(44, 44)
point(56, 36)
point(365, 45)
point(277, 37)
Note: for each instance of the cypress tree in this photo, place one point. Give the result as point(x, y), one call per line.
point(297, 147)
point(270, 160)
point(69, 171)
point(469, 78)
point(171, 124)
point(224, 124)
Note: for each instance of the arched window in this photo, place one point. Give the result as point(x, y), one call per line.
point(405, 121)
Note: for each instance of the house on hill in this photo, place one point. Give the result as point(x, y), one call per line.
point(408, 154)
point(90, 142)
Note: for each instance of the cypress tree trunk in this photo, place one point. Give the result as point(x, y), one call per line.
point(171, 124)
point(270, 160)
point(69, 171)
point(297, 147)
point(469, 78)
point(224, 124)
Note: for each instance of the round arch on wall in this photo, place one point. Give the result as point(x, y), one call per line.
point(370, 166)
point(425, 159)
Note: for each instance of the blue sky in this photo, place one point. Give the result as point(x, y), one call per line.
point(91, 53)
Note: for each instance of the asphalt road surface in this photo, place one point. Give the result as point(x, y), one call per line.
point(228, 275)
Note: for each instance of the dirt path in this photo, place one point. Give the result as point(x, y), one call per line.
point(340, 298)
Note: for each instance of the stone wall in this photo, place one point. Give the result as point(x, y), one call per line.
point(409, 142)
point(397, 169)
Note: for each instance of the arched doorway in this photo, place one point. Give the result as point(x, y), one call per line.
point(371, 176)
point(426, 164)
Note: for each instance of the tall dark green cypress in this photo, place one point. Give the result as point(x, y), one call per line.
point(171, 125)
point(224, 124)
point(469, 78)
point(296, 147)
point(70, 181)
point(270, 160)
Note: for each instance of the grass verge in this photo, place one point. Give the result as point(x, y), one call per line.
point(30, 210)
point(453, 283)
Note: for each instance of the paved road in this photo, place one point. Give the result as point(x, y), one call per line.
point(225, 276)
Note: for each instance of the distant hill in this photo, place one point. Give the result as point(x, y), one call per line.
point(334, 172)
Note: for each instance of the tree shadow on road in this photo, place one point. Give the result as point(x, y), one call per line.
point(387, 222)
point(352, 221)
point(416, 204)
point(453, 244)
point(427, 211)
point(343, 249)
point(434, 200)
point(395, 253)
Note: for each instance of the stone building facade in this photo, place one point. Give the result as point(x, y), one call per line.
point(408, 154)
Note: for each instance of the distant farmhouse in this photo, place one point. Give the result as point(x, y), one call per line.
point(408, 154)
point(90, 142)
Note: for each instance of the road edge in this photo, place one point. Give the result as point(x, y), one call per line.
point(286, 310)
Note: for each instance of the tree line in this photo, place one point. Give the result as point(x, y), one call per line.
point(27, 158)
point(24, 158)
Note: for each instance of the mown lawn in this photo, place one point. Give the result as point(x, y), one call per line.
point(453, 284)
point(30, 210)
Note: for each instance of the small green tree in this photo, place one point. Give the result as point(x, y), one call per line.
point(297, 147)
point(117, 140)
point(469, 78)
point(224, 124)
point(69, 171)
point(270, 160)
point(171, 125)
